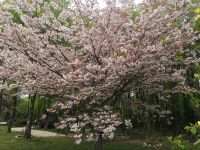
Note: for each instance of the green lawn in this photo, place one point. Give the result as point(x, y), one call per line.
point(10, 142)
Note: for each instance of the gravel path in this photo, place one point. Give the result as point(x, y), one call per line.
point(38, 133)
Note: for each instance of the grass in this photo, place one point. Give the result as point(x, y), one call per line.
point(10, 142)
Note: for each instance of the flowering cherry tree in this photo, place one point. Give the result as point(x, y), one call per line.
point(92, 56)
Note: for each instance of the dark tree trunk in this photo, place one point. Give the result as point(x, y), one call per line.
point(174, 116)
point(39, 110)
point(147, 125)
point(1, 101)
point(12, 114)
point(99, 142)
point(27, 134)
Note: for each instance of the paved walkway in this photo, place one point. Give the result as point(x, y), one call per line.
point(3, 123)
point(38, 133)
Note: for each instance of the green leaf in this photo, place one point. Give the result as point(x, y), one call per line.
point(197, 142)
point(135, 14)
point(193, 130)
point(187, 128)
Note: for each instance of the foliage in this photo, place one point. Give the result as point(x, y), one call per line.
point(194, 129)
point(179, 143)
point(176, 142)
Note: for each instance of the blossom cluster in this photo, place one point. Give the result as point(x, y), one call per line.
point(87, 126)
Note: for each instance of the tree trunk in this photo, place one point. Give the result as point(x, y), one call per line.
point(147, 124)
point(99, 142)
point(39, 110)
point(1, 101)
point(27, 134)
point(174, 116)
point(12, 114)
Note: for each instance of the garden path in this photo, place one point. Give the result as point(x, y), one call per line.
point(38, 133)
